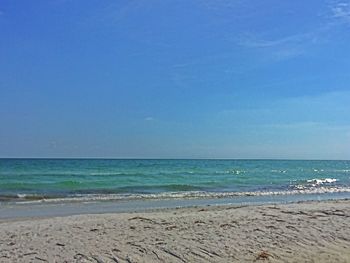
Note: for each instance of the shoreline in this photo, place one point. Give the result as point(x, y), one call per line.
point(42, 208)
point(309, 231)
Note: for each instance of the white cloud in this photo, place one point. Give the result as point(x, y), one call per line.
point(277, 49)
point(337, 13)
point(149, 119)
point(341, 11)
point(255, 42)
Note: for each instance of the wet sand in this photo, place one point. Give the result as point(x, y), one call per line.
point(298, 232)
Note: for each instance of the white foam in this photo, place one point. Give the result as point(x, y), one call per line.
point(317, 181)
point(230, 172)
point(191, 195)
point(279, 171)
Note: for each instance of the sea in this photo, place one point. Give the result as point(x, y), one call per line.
point(92, 180)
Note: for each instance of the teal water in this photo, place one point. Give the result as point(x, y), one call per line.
point(102, 179)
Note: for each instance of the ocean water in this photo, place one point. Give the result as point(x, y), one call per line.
point(51, 180)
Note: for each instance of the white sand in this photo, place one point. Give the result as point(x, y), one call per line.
point(300, 232)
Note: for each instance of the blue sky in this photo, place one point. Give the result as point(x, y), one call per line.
point(175, 79)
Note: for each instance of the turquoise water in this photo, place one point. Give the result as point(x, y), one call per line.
point(100, 179)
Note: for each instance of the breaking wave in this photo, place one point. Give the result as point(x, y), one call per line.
point(19, 198)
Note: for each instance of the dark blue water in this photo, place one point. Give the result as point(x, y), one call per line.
point(100, 179)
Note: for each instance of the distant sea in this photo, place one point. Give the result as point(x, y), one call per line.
point(51, 180)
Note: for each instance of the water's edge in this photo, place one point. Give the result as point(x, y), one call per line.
point(43, 209)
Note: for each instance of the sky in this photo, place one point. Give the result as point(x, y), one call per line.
point(175, 79)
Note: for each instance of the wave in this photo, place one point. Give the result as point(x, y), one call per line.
point(317, 181)
point(279, 171)
point(230, 172)
point(27, 198)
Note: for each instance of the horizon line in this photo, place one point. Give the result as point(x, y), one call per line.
point(162, 158)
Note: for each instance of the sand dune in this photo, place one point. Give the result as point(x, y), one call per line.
point(299, 232)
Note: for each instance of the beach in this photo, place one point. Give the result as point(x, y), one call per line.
point(174, 131)
point(311, 231)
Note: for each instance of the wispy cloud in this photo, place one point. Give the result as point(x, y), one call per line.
point(341, 11)
point(282, 48)
point(251, 40)
point(336, 13)
point(149, 119)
